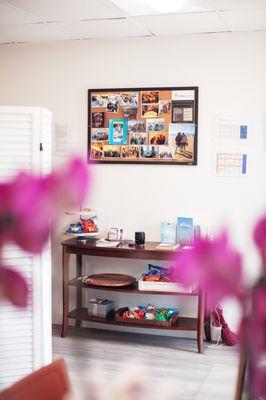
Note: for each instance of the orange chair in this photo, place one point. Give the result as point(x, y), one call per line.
point(48, 383)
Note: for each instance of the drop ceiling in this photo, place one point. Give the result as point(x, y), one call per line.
point(50, 20)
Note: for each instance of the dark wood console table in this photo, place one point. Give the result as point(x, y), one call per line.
point(149, 252)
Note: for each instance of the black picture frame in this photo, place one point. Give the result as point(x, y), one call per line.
point(141, 89)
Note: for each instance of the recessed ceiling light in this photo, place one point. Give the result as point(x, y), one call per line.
point(135, 8)
point(166, 6)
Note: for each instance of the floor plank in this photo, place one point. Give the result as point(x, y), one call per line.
point(165, 361)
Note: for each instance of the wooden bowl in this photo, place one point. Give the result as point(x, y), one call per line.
point(110, 280)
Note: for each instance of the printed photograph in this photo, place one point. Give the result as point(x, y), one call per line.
point(158, 138)
point(139, 138)
point(149, 110)
point(117, 131)
point(96, 151)
point(99, 100)
point(112, 103)
point(130, 112)
point(164, 106)
point(148, 151)
point(155, 125)
point(136, 126)
point(130, 152)
point(182, 111)
point(97, 119)
point(111, 151)
point(149, 97)
point(129, 99)
point(181, 138)
point(166, 152)
point(100, 134)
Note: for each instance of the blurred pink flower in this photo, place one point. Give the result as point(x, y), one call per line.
point(214, 265)
point(68, 188)
point(13, 287)
point(259, 236)
point(29, 205)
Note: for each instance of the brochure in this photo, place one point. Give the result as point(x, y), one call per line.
point(185, 230)
point(168, 232)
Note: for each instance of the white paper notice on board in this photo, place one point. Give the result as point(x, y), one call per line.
point(183, 94)
point(230, 163)
point(61, 140)
point(231, 131)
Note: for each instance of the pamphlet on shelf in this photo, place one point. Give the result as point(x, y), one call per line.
point(186, 247)
point(185, 231)
point(106, 243)
point(168, 246)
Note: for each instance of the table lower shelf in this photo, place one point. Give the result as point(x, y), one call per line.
point(182, 324)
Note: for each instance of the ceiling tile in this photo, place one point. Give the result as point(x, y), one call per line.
point(155, 7)
point(33, 33)
point(59, 10)
point(238, 4)
point(245, 20)
point(10, 15)
point(183, 23)
point(103, 29)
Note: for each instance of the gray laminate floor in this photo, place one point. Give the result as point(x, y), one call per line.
point(166, 362)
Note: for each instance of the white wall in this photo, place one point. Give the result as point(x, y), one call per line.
point(230, 72)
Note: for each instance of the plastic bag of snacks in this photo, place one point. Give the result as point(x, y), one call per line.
point(75, 228)
point(155, 273)
point(89, 223)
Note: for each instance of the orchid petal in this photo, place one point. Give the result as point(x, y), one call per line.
point(13, 287)
point(214, 265)
point(259, 236)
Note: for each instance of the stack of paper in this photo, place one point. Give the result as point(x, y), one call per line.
point(106, 243)
point(167, 246)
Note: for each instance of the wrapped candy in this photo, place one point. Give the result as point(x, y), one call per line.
point(149, 316)
point(149, 313)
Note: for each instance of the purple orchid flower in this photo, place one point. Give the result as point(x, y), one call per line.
point(214, 265)
point(259, 236)
point(28, 207)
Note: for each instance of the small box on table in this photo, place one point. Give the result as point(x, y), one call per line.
point(100, 307)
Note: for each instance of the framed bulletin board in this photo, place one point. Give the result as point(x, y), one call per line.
point(143, 125)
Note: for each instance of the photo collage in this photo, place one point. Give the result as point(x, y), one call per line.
point(145, 125)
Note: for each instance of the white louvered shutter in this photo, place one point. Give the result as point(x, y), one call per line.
point(25, 335)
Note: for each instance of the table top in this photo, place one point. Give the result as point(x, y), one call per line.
point(149, 251)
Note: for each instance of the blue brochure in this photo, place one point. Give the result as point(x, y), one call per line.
point(168, 232)
point(184, 230)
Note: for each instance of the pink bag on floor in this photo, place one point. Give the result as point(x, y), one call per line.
point(228, 337)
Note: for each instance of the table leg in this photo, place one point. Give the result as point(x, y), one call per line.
point(241, 378)
point(65, 271)
point(207, 324)
point(200, 330)
point(79, 288)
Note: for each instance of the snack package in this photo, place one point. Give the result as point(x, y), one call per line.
point(74, 228)
point(155, 270)
point(149, 316)
point(89, 224)
point(155, 273)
